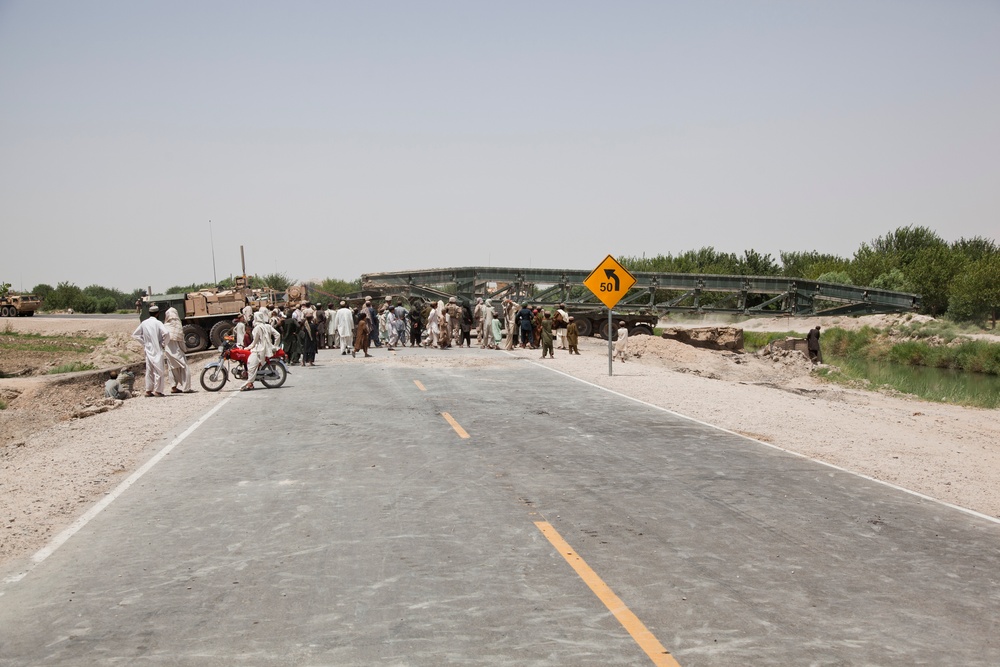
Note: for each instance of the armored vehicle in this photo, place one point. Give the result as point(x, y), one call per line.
point(19, 305)
point(207, 315)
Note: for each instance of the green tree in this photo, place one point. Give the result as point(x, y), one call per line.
point(65, 295)
point(107, 304)
point(275, 281)
point(755, 264)
point(102, 294)
point(836, 277)
point(974, 294)
point(4, 288)
point(811, 265)
point(43, 292)
point(332, 288)
point(896, 250)
point(892, 280)
point(976, 248)
point(930, 273)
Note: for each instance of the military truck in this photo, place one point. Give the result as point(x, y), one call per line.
point(18, 305)
point(207, 315)
point(595, 321)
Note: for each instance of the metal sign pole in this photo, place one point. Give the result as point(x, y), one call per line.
point(611, 353)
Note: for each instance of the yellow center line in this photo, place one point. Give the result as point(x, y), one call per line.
point(455, 425)
point(642, 636)
point(420, 385)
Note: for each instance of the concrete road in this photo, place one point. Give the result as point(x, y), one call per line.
point(346, 519)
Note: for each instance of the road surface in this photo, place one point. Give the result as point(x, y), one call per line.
point(499, 514)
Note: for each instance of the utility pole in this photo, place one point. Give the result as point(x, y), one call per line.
point(211, 236)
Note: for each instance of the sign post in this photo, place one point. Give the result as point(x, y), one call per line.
point(609, 282)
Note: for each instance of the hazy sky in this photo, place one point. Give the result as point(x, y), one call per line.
point(336, 138)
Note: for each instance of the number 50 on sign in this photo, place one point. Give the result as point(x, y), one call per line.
point(609, 282)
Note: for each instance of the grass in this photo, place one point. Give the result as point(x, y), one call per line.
point(25, 342)
point(73, 367)
point(756, 340)
point(935, 364)
point(3, 405)
point(953, 387)
point(962, 354)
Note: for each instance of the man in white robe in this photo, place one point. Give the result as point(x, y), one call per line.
point(345, 328)
point(621, 345)
point(433, 327)
point(486, 326)
point(152, 334)
point(331, 327)
point(173, 350)
point(263, 344)
point(240, 331)
point(392, 332)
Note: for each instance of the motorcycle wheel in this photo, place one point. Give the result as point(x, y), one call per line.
point(273, 375)
point(214, 378)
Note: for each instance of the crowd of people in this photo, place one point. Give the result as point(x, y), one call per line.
point(302, 331)
point(308, 328)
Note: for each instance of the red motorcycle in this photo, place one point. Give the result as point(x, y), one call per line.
point(233, 360)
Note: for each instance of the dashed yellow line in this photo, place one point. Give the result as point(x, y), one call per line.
point(455, 425)
point(642, 636)
point(420, 385)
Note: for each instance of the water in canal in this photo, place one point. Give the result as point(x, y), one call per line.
point(935, 384)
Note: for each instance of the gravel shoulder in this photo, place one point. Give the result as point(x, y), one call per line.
point(53, 468)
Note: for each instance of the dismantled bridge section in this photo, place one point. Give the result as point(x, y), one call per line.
point(653, 292)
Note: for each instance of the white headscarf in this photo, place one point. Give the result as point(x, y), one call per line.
point(172, 322)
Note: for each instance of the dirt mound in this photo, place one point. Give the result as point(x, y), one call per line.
point(118, 350)
point(720, 365)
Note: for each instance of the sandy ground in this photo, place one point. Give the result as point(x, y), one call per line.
point(53, 468)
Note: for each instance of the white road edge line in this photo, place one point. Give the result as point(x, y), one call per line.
point(82, 521)
point(922, 496)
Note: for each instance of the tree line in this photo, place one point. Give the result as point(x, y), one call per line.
point(98, 299)
point(960, 280)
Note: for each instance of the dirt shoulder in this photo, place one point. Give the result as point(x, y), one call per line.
point(54, 467)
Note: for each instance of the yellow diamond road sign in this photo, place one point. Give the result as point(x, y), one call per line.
point(609, 282)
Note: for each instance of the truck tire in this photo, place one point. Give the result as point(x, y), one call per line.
point(604, 331)
point(641, 330)
point(584, 328)
point(220, 330)
point(195, 338)
point(4, 312)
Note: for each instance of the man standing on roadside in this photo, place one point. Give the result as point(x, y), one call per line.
point(362, 337)
point(510, 321)
point(153, 335)
point(546, 337)
point(525, 323)
point(345, 328)
point(572, 336)
point(621, 345)
point(812, 343)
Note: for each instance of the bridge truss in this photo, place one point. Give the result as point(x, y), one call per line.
point(653, 292)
